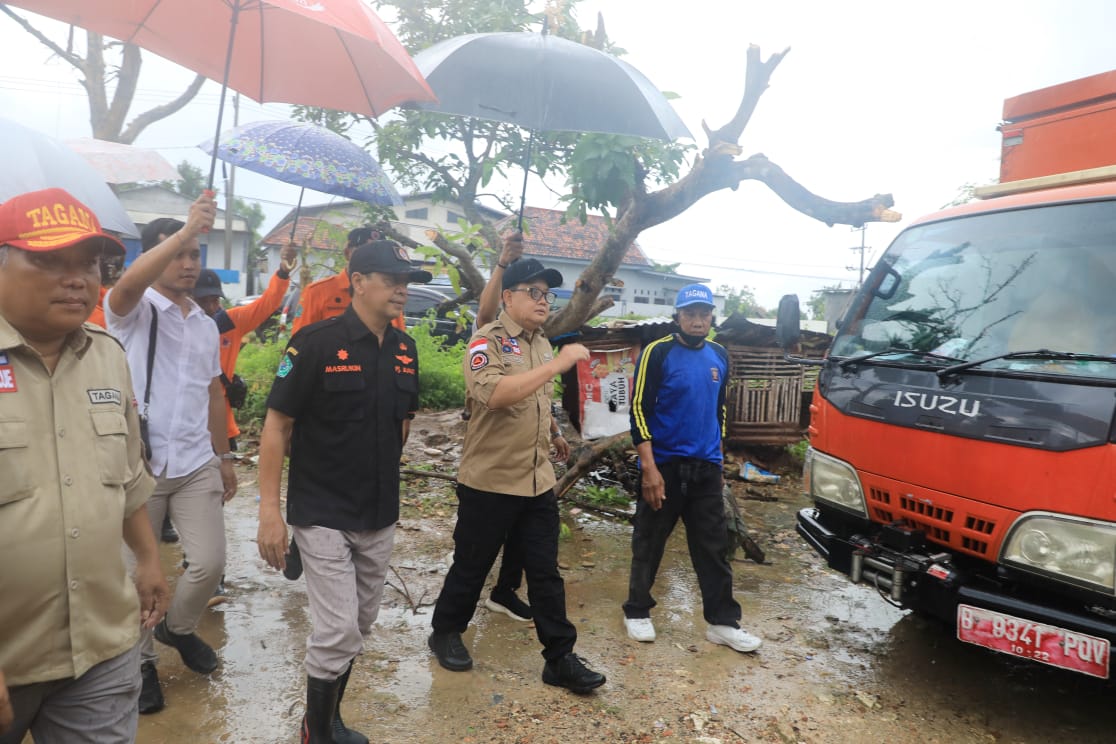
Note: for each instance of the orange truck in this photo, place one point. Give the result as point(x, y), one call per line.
point(962, 455)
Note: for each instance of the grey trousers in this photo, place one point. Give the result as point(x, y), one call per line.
point(345, 573)
point(99, 707)
point(195, 507)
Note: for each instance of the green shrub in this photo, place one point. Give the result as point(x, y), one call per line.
point(441, 381)
point(257, 364)
point(798, 450)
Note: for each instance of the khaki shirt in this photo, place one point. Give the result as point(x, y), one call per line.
point(507, 450)
point(70, 472)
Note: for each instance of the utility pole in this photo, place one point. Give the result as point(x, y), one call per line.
point(862, 248)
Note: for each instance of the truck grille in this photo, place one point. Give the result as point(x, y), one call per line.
point(946, 519)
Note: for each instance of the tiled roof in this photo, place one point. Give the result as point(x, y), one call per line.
point(323, 234)
point(548, 236)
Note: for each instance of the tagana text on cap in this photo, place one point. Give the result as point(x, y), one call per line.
point(385, 257)
point(528, 269)
point(694, 294)
point(50, 220)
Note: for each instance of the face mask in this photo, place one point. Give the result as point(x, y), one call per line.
point(691, 340)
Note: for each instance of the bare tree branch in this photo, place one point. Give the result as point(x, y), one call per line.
point(158, 113)
point(65, 54)
point(756, 79)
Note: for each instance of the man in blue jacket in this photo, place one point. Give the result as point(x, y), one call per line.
point(678, 420)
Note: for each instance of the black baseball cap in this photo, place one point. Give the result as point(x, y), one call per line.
point(385, 257)
point(208, 285)
point(527, 269)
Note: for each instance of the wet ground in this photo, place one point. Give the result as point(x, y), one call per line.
point(838, 664)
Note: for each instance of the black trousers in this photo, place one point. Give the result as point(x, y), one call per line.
point(511, 571)
point(693, 492)
point(528, 526)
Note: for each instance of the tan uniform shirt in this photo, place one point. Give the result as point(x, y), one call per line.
point(507, 450)
point(70, 472)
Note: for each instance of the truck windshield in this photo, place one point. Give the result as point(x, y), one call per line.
point(987, 285)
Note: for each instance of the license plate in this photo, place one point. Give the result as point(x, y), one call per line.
point(1047, 644)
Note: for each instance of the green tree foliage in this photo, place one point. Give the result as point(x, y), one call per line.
point(600, 170)
point(743, 301)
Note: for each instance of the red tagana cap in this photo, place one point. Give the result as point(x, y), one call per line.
point(50, 220)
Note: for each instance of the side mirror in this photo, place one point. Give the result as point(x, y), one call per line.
point(787, 330)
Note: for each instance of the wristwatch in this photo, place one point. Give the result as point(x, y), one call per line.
point(556, 434)
point(227, 456)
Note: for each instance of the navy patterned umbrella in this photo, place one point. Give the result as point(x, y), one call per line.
point(309, 156)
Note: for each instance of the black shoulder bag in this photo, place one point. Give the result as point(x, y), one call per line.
point(144, 434)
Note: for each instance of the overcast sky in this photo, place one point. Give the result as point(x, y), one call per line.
point(874, 97)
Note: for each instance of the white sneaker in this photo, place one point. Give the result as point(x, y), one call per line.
point(640, 629)
point(735, 638)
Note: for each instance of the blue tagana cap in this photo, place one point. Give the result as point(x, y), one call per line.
point(694, 294)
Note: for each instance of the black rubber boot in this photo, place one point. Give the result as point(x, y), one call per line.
point(321, 702)
point(341, 733)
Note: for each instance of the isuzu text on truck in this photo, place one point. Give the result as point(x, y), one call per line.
point(963, 439)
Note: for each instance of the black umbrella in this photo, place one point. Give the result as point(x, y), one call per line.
point(544, 83)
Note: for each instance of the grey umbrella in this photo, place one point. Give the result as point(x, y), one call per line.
point(545, 83)
point(34, 161)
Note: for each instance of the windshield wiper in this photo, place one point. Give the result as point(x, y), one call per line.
point(896, 350)
point(1035, 354)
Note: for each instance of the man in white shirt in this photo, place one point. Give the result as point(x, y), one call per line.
point(184, 404)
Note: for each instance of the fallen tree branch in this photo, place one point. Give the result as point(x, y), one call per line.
point(587, 457)
point(415, 606)
point(428, 474)
point(626, 516)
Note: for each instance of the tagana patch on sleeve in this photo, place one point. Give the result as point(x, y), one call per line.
point(478, 360)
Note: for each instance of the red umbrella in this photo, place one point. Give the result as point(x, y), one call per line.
point(335, 54)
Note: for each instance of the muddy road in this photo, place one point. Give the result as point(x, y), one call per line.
point(838, 664)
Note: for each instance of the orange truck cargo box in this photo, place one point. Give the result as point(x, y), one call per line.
point(1063, 128)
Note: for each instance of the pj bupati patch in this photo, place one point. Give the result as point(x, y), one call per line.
point(285, 366)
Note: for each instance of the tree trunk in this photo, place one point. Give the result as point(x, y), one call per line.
point(106, 120)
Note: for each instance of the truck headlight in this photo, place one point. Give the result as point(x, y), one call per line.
point(833, 481)
point(1071, 549)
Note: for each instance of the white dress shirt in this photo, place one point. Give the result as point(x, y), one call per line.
point(187, 358)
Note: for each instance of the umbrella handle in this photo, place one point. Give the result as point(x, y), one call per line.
point(224, 90)
point(526, 173)
point(294, 222)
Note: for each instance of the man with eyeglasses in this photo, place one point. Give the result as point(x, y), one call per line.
point(506, 482)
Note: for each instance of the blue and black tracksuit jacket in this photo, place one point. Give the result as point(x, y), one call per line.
point(679, 400)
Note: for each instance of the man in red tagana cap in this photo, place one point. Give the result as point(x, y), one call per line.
point(73, 487)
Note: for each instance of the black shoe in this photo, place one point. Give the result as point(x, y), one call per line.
point(169, 535)
point(510, 604)
point(151, 694)
point(342, 734)
point(196, 653)
point(570, 672)
point(294, 562)
point(451, 652)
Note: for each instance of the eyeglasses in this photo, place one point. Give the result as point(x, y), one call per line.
point(536, 294)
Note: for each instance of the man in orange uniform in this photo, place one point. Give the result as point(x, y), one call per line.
point(237, 322)
point(328, 298)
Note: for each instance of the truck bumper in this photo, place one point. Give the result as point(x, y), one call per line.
point(930, 583)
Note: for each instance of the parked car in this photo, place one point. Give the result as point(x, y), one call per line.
point(420, 300)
